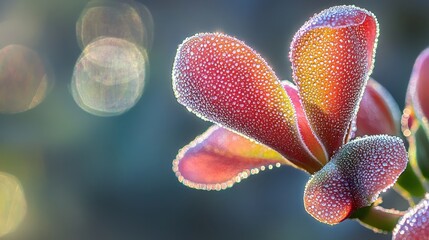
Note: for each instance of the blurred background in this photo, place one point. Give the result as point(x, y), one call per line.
point(91, 177)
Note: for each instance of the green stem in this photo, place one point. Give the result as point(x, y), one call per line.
point(409, 184)
point(421, 154)
point(378, 218)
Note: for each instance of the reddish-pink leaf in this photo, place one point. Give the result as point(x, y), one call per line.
point(327, 196)
point(224, 81)
point(332, 58)
point(378, 112)
point(307, 134)
point(414, 225)
point(219, 158)
point(354, 178)
point(417, 96)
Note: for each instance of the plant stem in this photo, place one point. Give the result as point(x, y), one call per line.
point(409, 184)
point(378, 218)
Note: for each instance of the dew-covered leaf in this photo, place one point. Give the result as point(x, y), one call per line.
point(224, 81)
point(378, 112)
point(414, 225)
point(354, 178)
point(307, 134)
point(327, 195)
point(417, 96)
point(332, 58)
point(219, 158)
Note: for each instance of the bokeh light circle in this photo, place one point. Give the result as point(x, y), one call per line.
point(23, 79)
point(13, 206)
point(20, 24)
point(129, 20)
point(108, 78)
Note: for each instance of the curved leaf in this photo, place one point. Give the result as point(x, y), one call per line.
point(354, 178)
point(219, 158)
point(224, 81)
point(307, 134)
point(417, 95)
point(414, 224)
point(332, 58)
point(378, 112)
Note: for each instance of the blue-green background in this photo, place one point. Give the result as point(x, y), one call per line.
point(88, 177)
